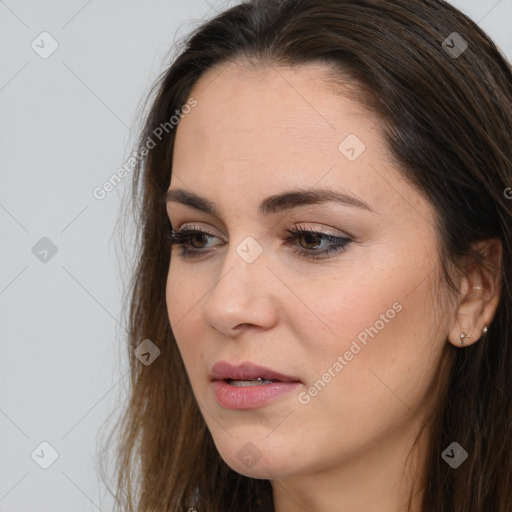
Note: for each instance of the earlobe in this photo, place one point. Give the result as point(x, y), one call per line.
point(464, 336)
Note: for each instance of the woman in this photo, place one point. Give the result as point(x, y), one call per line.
point(332, 305)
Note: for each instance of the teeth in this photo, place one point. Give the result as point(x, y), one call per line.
point(252, 382)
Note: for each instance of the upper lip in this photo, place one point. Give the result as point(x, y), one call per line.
point(246, 371)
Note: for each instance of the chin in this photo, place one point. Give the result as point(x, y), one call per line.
point(256, 461)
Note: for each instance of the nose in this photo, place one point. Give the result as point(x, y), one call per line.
point(243, 294)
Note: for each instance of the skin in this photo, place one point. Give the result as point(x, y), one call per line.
point(258, 131)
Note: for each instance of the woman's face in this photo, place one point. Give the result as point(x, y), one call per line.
point(358, 329)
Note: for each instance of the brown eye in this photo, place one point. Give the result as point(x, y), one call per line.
point(310, 238)
point(191, 241)
point(315, 238)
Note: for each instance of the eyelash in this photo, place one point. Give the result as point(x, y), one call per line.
point(182, 239)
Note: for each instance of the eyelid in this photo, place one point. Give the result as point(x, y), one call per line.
point(301, 225)
point(192, 226)
point(326, 230)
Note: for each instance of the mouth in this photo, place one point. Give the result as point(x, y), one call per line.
point(249, 386)
point(250, 382)
point(247, 374)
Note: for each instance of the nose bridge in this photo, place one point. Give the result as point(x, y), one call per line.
point(240, 295)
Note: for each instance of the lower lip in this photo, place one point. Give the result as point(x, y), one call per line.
point(250, 397)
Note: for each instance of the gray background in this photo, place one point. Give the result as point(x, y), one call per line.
point(65, 129)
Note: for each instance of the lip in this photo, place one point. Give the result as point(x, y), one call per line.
point(223, 370)
point(248, 397)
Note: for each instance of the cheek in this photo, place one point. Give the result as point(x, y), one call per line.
point(176, 299)
point(184, 292)
point(368, 342)
point(183, 306)
point(334, 313)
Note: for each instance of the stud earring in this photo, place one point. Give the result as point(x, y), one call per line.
point(484, 330)
point(463, 336)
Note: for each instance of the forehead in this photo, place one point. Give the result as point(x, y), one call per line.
point(259, 130)
point(278, 108)
point(272, 114)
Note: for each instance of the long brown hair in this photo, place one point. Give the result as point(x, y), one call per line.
point(447, 120)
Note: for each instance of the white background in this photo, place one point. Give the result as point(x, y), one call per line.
point(64, 130)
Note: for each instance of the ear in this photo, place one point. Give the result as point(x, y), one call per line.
point(479, 293)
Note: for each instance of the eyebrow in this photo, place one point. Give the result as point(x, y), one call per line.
point(272, 204)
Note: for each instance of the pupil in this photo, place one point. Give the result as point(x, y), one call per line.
point(309, 236)
point(195, 238)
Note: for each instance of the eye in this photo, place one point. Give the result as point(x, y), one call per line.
point(192, 242)
point(187, 239)
point(315, 238)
